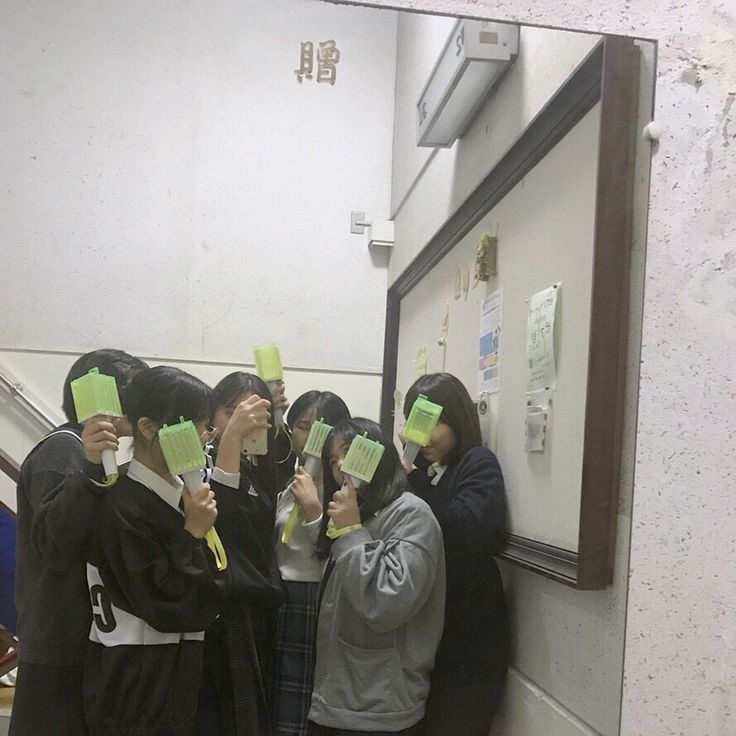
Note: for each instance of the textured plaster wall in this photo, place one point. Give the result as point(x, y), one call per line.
point(680, 658)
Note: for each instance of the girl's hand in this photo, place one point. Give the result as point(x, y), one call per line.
point(200, 511)
point(249, 416)
point(98, 434)
point(306, 494)
point(343, 510)
point(279, 397)
point(407, 465)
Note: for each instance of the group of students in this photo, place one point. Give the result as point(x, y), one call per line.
point(383, 611)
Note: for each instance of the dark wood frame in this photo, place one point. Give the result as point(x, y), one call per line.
point(609, 74)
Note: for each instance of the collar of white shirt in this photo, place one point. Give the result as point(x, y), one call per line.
point(137, 471)
point(435, 471)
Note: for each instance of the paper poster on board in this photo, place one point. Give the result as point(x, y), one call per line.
point(491, 316)
point(540, 342)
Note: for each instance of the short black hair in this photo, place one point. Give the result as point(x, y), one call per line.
point(328, 406)
point(164, 394)
point(116, 363)
point(458, 410)
point(388, 483)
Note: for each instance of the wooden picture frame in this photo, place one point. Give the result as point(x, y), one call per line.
point(608, 75)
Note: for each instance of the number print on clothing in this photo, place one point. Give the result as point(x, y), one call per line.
point(102, 609)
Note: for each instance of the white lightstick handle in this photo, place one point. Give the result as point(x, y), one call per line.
point(278, 415)
point(311, 465)
point(109, 463)
point(192, 480)
point(411, 450)
point(356, 483)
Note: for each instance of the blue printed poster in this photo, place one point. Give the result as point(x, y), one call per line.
point(491, 316)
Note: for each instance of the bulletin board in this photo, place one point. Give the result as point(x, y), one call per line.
point(558, 203)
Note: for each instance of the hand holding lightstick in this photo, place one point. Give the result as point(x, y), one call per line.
point(313, 457)
point(270, 370)
point(96, 394)
point(182, 450)
point(418, 429)
point(360, 465)
point(361, 462)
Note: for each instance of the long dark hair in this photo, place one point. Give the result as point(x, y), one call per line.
point(327, 406)
point(458, 409)
point(228, 390)
point(164, 394)
point(116, 363)
point(388, 483)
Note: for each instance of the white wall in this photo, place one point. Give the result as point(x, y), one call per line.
point(680, 654)
point(430, 184)
point(42, 375)
point(168, 185)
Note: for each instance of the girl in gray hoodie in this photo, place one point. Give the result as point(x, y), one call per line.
point(383, 596)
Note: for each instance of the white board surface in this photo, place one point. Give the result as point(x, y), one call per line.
point(545, 236)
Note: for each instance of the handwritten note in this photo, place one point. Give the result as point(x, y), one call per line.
point(540, 341)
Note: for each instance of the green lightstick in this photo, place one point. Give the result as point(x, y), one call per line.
point(182, 449)
point(96, 394)
point(270, 370)
point(313, 457)
point(418, 429)
point(184, 455)
point(361, 461)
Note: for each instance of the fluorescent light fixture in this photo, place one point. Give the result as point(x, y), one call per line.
point(475, 56)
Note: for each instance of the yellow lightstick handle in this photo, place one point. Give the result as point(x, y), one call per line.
point(290, 524)
point(216, 547)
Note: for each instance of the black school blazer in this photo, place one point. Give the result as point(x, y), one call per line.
point(469, 502)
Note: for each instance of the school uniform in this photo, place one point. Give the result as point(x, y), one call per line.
point(380, 621)
point(468, 500)
point(52, 529)
point(236, 694)
point(301, 571)
point(153, 590)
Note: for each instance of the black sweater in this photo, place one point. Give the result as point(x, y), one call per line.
point(154, 591)
point(53, 526)
point(470, 504)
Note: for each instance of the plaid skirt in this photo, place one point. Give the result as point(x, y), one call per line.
point(294, 672)
point(234, 698)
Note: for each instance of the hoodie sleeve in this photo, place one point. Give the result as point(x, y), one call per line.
point(389, 579)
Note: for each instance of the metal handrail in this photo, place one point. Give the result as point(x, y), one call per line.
point(32, 406)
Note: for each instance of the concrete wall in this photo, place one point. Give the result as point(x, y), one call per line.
point(680, 647)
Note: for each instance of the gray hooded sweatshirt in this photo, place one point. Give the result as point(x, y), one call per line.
point(380, 621)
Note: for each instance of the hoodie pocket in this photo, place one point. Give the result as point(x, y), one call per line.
point(371, 680)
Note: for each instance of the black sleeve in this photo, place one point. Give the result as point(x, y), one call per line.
point(167, 582)
point(252, 572)
point(62, 500)
point(474, 518)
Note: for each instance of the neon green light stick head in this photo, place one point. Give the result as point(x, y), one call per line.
point(422, 420)
point(362, 458)
point(268, 363)
point(316, 439)
point(182, 447)
point(96, 394)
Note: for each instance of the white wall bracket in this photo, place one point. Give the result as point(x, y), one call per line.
point(380, 232)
